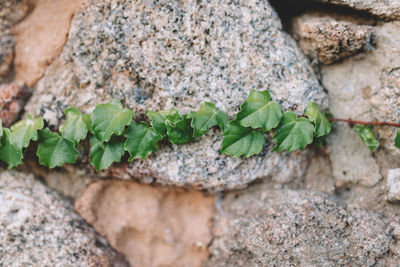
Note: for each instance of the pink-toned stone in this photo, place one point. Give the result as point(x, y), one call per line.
point(41, 37)
point(151, 226)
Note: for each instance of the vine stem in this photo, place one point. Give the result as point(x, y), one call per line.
point(369, 123)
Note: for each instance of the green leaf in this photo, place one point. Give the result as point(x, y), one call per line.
point(397, 140)
point(24, 131)
point(239, 140)
point(367, 136)
point(158, 119)
point(258, 111)
point(55, 150)
point(76, 125)
point(1, 129)
point(108, 119)
point(9, 152)
point(102, 155)
point(141, 140)
point(180, 132)
point(293, 132)
point(207, 117)
point(322, 124)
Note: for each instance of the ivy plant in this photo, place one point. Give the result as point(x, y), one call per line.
point(112, 133)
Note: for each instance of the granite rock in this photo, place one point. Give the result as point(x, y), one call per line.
point(366, 87)
point(151, 226)
point(389, 10)
point(41, 229)
point(161, 55)
point(278, 227)
point(329, 40)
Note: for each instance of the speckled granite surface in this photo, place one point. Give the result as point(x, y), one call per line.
point(38, 228)
point(165, 54)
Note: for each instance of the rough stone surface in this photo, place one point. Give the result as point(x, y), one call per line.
point(70, 181)
point(160, 55)
point(384, 9)
point(296, 228)
point(151, 226)
point(11, 12)
point(12, 102)
point(352, 161)
point(40, 229)
point(319, 174)
point(329, 40)
point(41, 37)
point(366, 87)
point(393, 184)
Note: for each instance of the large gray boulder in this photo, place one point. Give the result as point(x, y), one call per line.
point(161, 55)
point(38, 228)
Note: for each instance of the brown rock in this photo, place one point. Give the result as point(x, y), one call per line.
point(41, 37)
point(151, 226)
point(12, 101)
point(329, 40)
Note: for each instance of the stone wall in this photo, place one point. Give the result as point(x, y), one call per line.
point(189, 205)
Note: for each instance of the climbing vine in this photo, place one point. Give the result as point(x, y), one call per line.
point(112, 132)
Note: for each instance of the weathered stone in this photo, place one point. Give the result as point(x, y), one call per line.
point(384, 9)
point(11, 12)
point(319, 174)
point(151, 226)
point(366, 87)
point(157, 55)
point(393, 184)
point(12, 102)
point(352, 161)
point(329, 40)
point(38, 228)
point(70, 181)
point(296, 228)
